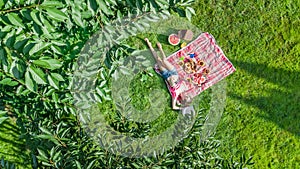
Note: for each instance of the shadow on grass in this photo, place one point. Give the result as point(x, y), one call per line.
point(282, 104)
point(15, 150)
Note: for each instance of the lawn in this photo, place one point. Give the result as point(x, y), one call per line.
point(262, 114)
point(261, 39)
point(261, 119)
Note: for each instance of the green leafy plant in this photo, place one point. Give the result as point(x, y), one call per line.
point(40, 44)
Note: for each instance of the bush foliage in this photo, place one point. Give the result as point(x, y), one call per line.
point(40, 45)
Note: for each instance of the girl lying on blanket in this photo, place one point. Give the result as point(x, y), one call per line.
point(170, 75)
point(200, 65)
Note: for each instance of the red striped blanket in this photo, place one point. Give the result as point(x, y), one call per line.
point(212, 65)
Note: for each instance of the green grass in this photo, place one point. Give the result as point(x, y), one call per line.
point(262, 114)
point(262, 117)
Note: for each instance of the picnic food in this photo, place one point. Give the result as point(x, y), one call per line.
point(206, 71)
point(174, 39)
point(198, 79)
point(190, 66)
point(200, 63)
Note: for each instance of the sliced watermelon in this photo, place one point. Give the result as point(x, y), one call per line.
point(174, 39)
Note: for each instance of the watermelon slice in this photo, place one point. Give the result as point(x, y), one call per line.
point(174, 39)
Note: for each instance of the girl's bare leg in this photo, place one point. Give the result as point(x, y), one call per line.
point(161, 50)
point(166, 63)
point(158, 60)
point(151, 49)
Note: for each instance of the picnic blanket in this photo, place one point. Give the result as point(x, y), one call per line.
point(211, 65)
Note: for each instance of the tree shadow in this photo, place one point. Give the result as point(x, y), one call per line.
point(281, 103)
point(16, 153)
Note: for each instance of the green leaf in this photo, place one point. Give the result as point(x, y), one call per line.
point(2, 113)
point(46, 164)
point(42, 153)
point(58, 43)
point(112, 2)
point(47, 27)
point(38, 75)
point(78, 164)
point(56, 155)
point(77, 19)
point(28, 47)
point(56, 14)
point(2, 119)
point(104, 7)
point(33, 15)
point(57, 76)
point(153, 6)
point(17, 69)
point(48, 63)
point(19, 45)
point(38, 47)
point(45, 136)
point(48, 3)
point(20, 89)
point(54, 64)
point(53, 82)
point(49, 92)
point(56, 50)
point(91, 164)
point(48, 137)
point(55, 97)
point(15, 20)
point(162, 3)
point(41, 63)
point(92, 6)
point(3, 56)
point(168, 162)
point(44, 130)
point(7, 28)
point(136, 165)
point(8, 82)
point(1, 4)
point(10, 39)
point(30, 84)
